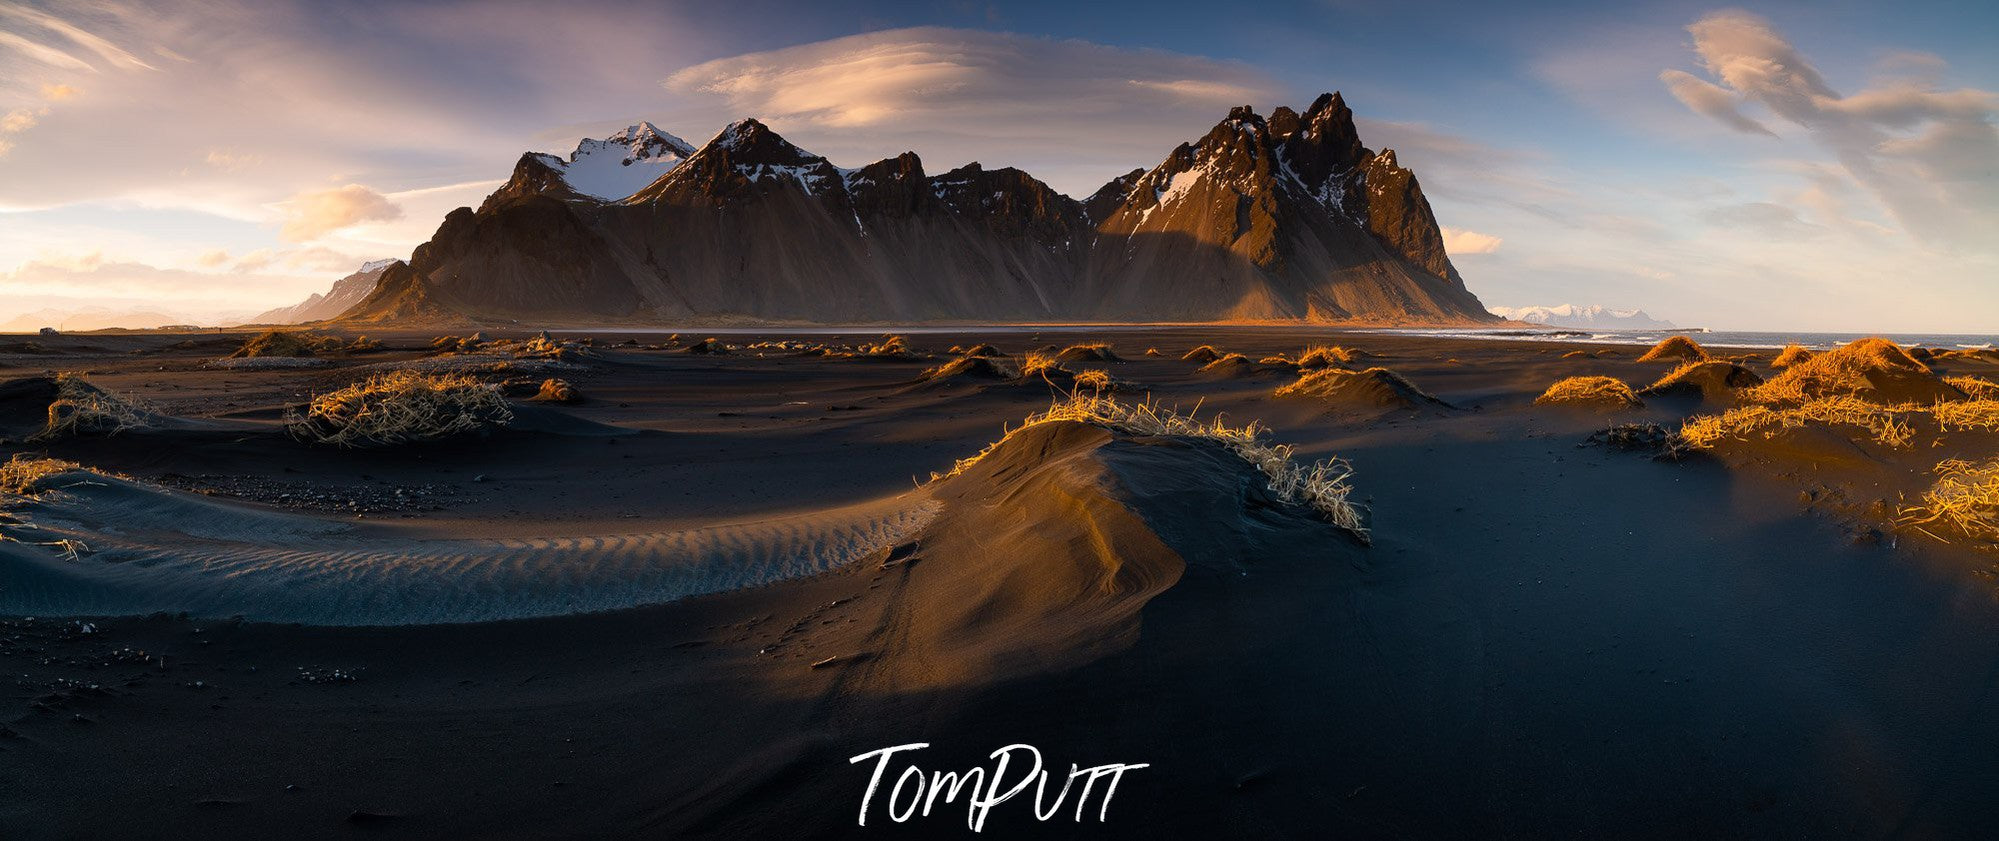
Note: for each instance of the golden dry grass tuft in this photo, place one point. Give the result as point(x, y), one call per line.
point(1096, 380)
point(1884, 425)
point(1606, 392)
point(556, 390)
point(1981, 414)
point(402, 407)
point(283, 343)
point(1203, 354)
point(1965, 499)
point(1976, 388)
point(1675, 348)
point(543, 347)
point(1792, 355)
point(26, 475)
point(1040, 363)
point(84, 409)
point(1324, 486)
point(1326, 356)
point(1969, 355)
point(892, 347)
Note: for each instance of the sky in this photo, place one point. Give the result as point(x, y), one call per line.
point(1772, 166)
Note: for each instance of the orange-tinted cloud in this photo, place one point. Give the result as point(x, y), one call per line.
point(312, 215)
point(1459, 241)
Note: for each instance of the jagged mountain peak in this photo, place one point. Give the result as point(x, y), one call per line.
point(599, 170)
point(535, 174)
point(743, 158)
point(1324, 143)
point(644, 134)
point(750, 141)
point(1244, 114)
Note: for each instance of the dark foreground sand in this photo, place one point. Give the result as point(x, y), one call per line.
point(1543, 640)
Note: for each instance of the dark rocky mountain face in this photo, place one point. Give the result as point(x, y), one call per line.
point(1389, 200)
point(534, 175)
point(1288, 218)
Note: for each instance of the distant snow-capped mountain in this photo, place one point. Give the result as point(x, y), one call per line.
point(1590, 317)
point(622, 164)
point(346, 292)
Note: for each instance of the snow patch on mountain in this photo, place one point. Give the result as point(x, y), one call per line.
point(622, 164)
point(1590, 316)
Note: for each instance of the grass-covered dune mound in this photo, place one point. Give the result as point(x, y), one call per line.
point(971, 368)
point(1229, 365)
point(1711, 380)
point(1791, 355)
point(1054, 538)
point(1088, 352)
point(1590, 392)
point(1675, 349)
point(1203, 354)
point(1876, 370)
point(1321, 486)
point(1372, 388)
point(1880, 430)
point(282, 343)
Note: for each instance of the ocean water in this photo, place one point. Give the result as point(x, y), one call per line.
point(1716, 338)
point(1713, 338)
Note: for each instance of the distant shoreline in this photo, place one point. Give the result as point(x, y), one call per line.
point(1504, 332)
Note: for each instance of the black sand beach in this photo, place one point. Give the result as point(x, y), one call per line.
point(1541, 637)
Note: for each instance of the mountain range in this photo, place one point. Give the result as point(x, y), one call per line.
point(346, 292)
point(85, 317)
point(1584, 317)
point(1285, 218)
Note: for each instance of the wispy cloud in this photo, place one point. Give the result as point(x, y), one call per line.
point(1713, 100)
point(20, 17)
point(996, 97)
point(1926, 154)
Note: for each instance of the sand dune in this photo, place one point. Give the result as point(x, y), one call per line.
point(154, 550)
